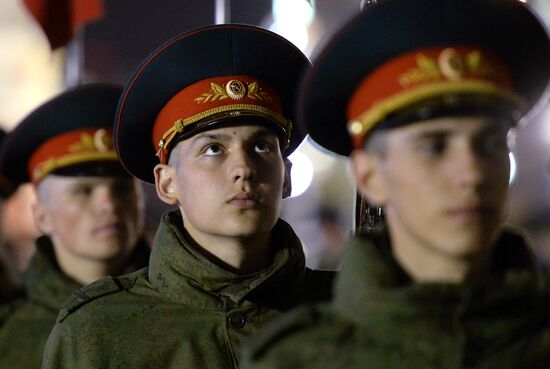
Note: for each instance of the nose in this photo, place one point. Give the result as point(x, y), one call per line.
point(104, 199)
point(470, 166)
point(242, 166)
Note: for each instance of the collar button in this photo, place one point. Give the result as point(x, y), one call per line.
point(237, 320)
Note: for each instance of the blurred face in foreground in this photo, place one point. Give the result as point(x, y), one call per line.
point(443, 183)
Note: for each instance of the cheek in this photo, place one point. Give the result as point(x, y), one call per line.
point(129, 207)
point(271, 173)
point(199, 188)
point(500, 169)
point(399, 178)
point(408, 192)
point(68, 221)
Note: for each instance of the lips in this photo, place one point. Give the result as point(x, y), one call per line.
point(107, 229)
point(245, 200)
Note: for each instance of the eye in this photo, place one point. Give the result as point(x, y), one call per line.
point(84, 190)
point(212, 150)
point(434, 146)
point(262, 147)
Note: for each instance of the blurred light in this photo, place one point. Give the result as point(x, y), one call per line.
point(293, 11)
point(301, 173)
point(323, 161)
point(291, 19)
point(294, 32)
point(545, 120)
point(513, 167)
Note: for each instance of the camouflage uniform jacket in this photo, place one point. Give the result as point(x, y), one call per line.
point(380, 319)
point(8, 293)
point(24, 334)
point(184, 311)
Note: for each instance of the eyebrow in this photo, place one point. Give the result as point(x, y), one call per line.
point(76, 186)
point(224, 137)
point(430, 134)
point(442, 132)
point(263, 133)
point(212, 136)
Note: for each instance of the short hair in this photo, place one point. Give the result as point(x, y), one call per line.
point(376, 142)
point(173, 160)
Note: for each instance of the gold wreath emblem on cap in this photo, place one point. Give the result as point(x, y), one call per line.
point(451, 64)
point(102, 140)
point(235, 89)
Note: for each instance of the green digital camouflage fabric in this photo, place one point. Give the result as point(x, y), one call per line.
point(183, 311)
point(24, 334)
point(380, 319)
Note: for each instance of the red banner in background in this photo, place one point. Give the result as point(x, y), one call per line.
point(60, 18)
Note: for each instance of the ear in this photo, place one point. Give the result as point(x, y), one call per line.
point(287, 182)
point(165, 183)
point(368, 176)
point(42, 217)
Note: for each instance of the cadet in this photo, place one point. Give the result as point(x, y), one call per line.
point(428, 90)
point(216, 106)
point(88, 208)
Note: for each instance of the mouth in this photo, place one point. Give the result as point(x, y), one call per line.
point(109, 229)
point(245, 200)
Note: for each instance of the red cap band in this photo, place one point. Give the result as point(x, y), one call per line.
point(75, 147)
point(211, 99)
point(422, 74)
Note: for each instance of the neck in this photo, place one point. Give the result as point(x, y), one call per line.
point(427, 264)
point(437, 268)
point(237, 254)
point(85, 270)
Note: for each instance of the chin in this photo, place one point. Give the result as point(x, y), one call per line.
point(248, 232)
point(110, 250)
point(250, 227)
point(470, 247)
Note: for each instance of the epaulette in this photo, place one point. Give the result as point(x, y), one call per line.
point(101, 287)
point(295, 320)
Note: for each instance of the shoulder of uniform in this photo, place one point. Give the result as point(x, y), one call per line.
point(284, 326)
point(102, 287)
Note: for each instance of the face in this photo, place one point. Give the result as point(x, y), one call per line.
point(228, 182)
point(97, 218)
point(443, 183)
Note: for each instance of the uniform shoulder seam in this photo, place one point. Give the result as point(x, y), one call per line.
point(102, 287)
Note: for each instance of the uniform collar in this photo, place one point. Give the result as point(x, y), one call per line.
point(47, 284)
point(44, 281)
point(178, 271)
point(373, 289)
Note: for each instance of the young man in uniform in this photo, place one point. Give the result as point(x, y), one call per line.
point(216, 106)
point(428, 98)
point(89, 210)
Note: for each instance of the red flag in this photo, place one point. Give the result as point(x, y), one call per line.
point(60, 18)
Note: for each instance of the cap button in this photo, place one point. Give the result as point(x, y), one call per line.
point(355, 128)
